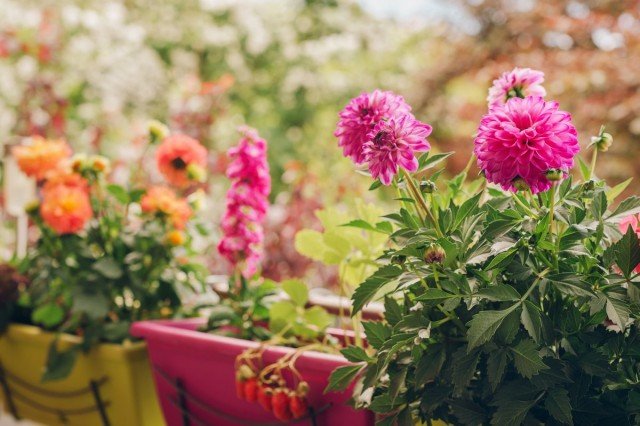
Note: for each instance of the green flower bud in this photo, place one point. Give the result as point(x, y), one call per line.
point(427, 187)
point(157, 131)
point(554, 175)
point(196, 173)
point(520, 184)
point(603, 141)
point(434, 254)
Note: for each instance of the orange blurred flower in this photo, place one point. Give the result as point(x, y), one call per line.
point(175, 238)
point(181, 160)
point(65, 208)
point(64, 178)
point(40, 156)
point(164, 201)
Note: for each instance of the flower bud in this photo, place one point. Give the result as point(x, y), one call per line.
point(78, 162)
point(520, 184)
point(32, 208)
point(427, 187)
point(196, 173)
point(602, 142)
point(174, 238)
point(554, 175)
point(157, 131)
point(100, 164)
point(434, 254)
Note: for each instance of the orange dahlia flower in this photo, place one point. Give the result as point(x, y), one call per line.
point(163, 201)
point(181, 160)
point(66, 209)
point(40, 156)
point(65, 178)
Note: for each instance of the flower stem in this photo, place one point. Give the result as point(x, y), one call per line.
point(594, 158)
point(527, 210)
point(422, 203)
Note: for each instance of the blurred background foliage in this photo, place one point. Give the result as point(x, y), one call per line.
point(95, 71)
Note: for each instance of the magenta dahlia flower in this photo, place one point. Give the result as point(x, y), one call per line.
point(392, 144)
point(517, 83)
point(524, 139)
point(247, 203)
point(361, 115)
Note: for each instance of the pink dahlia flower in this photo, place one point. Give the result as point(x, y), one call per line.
point(392, 144)
point(181, 160)
point(247, 203)
point(518, 83)
point(361, 115)
point(524, 139)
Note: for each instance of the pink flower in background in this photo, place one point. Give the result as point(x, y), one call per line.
point(518, 83)
point(392, 144)
point(361, 115)
point(247, 203)
point(523, 139)
point(182, 160)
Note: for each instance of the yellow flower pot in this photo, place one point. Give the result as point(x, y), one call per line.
point(111, 384)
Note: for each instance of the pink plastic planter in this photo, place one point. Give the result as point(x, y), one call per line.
point(202, 365)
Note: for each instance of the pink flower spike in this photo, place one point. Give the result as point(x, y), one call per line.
point(519, 82)
point(524, 139)
point(360, 116)
point(392, 144)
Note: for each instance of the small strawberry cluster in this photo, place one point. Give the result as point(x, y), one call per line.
point(269, 388)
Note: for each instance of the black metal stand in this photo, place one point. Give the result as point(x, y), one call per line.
point(13, 394)
point(184, 398)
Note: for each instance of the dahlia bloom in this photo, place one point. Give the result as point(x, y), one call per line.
point(517, 83)
point(181, 160)
point(65, 178)
point(361, 115)
point(163, 201)
point(392, 144)
point(247, 203)
point(66, 208)
point(39, 156)
point(523, 140)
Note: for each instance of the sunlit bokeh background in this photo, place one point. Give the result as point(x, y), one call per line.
point(95, 71)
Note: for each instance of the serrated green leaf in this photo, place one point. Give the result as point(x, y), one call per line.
point(341, 377)
point(377, 333)
point(599, 205)
point(570, 284)
point(384, 404)
point(512, 413)
point(496, 364)
point(464, 210)
point(356, 354)
point(558, 404)
point(614, 192)
point(502, 259)
point(499, 293)
point(430, 364)
point(532, 320)
point(368, 289)
point(626, 208)
point(626, 252)
point(484, 325)
point(392, 311)
point(434, 294)
point(433, 160)
point(527, 359)
point(464, 369)
point(617, 311)
point(468, 412)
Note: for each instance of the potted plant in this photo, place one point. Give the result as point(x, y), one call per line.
point(259, 358)
point(505, 305)
point(106, 255)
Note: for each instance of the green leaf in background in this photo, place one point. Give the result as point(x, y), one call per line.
point(119, 193)
point(368, 289)
point(59, 364)
point(384, 404)
point(392, 311)
point(499, 293)
point(531, 319)
point(502, 259)
point(48, 315)
point(309, 243)
point(512, 412)
point(614, 192)
point(93, 304)
point(464, 368)
point(434, 294)
point(297, 291)
point(496, 364)
point(341, 377)
point(280, 315)
point(526, 358)
point(617, 310)
point(356, 354)
point(108, 267)
point(318, 318)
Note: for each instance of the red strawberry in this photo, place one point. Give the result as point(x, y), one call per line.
point(240, 388)
point(251, 389)
point(298, 406)
point(265, 394)
point(280, 405)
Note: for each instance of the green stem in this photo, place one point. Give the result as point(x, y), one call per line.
point(594, 158)
point(527, 210)
point(534, 285)
point(422, 203)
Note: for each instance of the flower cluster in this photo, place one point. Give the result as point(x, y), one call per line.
point(182, 160)
point(378, 129)
point(521, 141)
point(163, 201)
point(66, 203)
point(247, 203)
